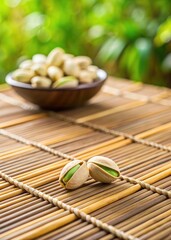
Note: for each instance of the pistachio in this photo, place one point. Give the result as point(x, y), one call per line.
point(40, 82)
point(39, 58)
point(66, 82)
point(27, 64)
point(39, 69)
point(74, 174)
point(55, 57)
point(67, 56)
point(71, 68)
point(93, 70)
point(54, 73)
point(86, 76)
point(23, 75)
point(103, 169)
point(83, 61)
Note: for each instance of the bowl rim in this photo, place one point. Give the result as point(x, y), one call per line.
point(102, 77)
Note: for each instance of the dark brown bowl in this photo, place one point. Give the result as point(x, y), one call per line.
point(62, 98)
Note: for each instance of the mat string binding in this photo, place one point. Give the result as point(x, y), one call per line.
point(66, 156)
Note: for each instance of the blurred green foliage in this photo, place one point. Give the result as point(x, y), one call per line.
point(128, 38)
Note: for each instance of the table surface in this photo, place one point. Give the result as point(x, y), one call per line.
point(127, 122)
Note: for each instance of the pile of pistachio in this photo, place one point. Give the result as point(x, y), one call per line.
point(57, 70)
point(76, 172)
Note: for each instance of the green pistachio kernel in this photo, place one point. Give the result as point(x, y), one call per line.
point(69, 81)
point(110, 170)
point(70, 173)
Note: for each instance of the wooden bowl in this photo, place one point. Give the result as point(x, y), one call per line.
point(54, 99)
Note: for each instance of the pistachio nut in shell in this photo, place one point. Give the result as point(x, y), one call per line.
point(71, 68)
point(93, 70)
point(86, 77)
point(39, 58)
point(27, 64)
point(74, 174)
point(103, 169)
point(23, 75)
point(55, 57)
point(39, 69)
point(66, 82)
point(41, 82)
point(83, 61)
point(67, 56)
point(54, 73)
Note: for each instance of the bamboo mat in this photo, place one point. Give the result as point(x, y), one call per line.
point(130, 123)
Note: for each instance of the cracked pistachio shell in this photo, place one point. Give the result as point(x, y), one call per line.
point(54, 73)
point(27, 64)
point(39, 69)
point(40, 82)
point(71, 68)
point(86, 77)
point(83, 61)
point(39, 58)
point(74, 174)
point(23, 75)
point(103, 169)
point(55, 57)
point(66, 82)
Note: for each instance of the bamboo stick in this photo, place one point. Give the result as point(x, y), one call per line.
point(110, 111)
point(22, 120)
point(151, 224)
